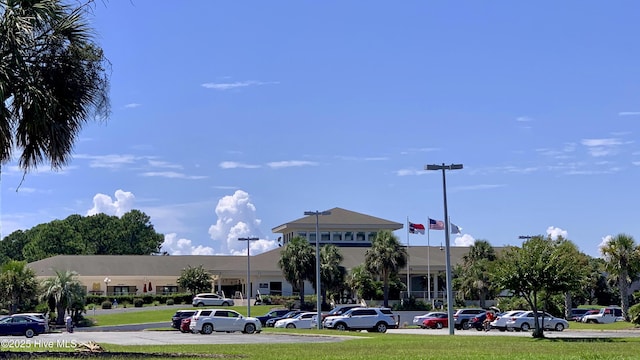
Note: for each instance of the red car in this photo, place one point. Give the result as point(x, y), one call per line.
point(184, 325)
point(438, 321)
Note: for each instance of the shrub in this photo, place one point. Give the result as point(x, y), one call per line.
point(138, 302)
point(170, 302)
point(107, 304)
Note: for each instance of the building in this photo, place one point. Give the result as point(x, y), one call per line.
point(352, 231)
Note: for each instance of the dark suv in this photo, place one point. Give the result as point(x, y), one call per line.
point(272, 314)
point(176, 319)
point(463, 316)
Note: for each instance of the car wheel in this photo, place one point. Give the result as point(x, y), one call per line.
point(207, 329)
point(478, 328)
point(291, 326)
point(226, 304)
point(525, 327)
point(29, 333)
point(341, 327)
point(200, 304)
point(465, 325)
point(381, 327)
point(249, 328)
point(559, 327)
point(439, 325)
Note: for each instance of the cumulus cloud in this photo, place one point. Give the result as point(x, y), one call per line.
point(464, 240)
point(175, 246)
point(237, 218)
point(554, 232)
point(122, 204)
point(604, 242)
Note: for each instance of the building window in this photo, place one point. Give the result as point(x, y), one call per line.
point(360, 236)
point(120, 290)
point(312, 237)
point(169, 289)
point(348, 236)
point(325, 236)
point(302, 234)
point(337, 236)
point(372, 236)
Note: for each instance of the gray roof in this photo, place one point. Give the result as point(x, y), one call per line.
point(339, 219)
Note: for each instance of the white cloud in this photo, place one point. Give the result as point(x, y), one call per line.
point(523, 119)
point(104, 204)
point(629, 113)
point(175, 246)
point(172, 175)
point(602, 147)
point(604, 242)
point(554, 232)
point(464, 240)
point(237, 218)
point(132, 106)
point(235, 165)
point(290, 163)
point(108, 161)
point(235, 85)
point(410, 172)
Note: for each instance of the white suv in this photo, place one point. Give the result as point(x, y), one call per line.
point(606, 315)
point(209, 299)
point(210, 320)
point(371, 319)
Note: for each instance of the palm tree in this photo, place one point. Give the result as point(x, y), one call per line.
point(53, 78)
point(63, 288)
point(332, 274)
point(622, 262)
point(473, 275)
point(385, 257)
point(297, 261)
point(18, 284)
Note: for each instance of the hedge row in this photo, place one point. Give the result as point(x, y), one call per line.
point(146, 299)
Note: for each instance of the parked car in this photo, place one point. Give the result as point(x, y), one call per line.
point(437, 320)
point(210, 320)
point(606, 315)
point(477, 322)
point(370, 319)
point(184, 325)
point(577, 313)
point(176, 319)
point(300, 321)
point(462, 316)
point(525, 321)
point(417, 320)
point(271, 314)
point(336, 311)
point(590, 312)
point(21, 325)
point(500, 322)
point(40, 316)
point(290, 314)
point(209, 299)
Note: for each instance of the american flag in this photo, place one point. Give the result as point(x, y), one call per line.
point(436, 224)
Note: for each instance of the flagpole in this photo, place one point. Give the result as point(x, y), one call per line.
point(429, 260)
point(408, 268)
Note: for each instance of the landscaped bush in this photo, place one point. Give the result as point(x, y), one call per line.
point(138, 302)
point(170, 302)
point(107, 304)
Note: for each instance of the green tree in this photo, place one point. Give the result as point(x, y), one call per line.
point(297, 261)
point(53, 79)
point(195, 279)
point(137, 235)
point(385, 257)
point(51, 239)
point(18, 284)
point(63, 289)
point(11, 246)
point(332, 274)
point(473, 274)
point(361, 282)
point(541, 267)
point(622, 262)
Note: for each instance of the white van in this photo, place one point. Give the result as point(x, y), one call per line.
point(607, 315)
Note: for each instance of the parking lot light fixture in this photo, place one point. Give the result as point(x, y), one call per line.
point(444, 167)
point(318, 300)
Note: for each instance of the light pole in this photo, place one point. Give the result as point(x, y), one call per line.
point(248, 240)
point(444, 167)
point(106, 286)
point(318, 302)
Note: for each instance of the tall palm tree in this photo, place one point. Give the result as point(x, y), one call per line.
point(63, 288)
point(53, 79)
point(332, 274)
point(18, 284)
point(297, 261)
point(622, 261)
point(385, 257)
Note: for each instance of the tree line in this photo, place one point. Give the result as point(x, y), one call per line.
point(100, 234)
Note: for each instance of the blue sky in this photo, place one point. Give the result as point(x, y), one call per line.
point(230, 118)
